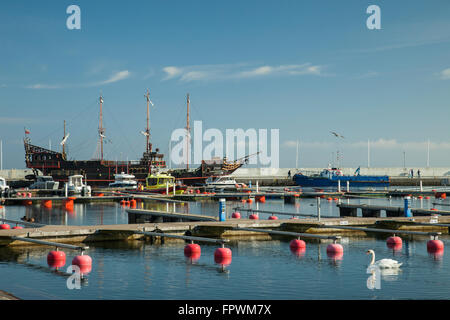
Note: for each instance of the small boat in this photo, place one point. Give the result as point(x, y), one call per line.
point(4, 188)
point(124, 180)
point(44, 183)
point(75, 185)
point(329, 178)
point(222, 182)
point(158, 183)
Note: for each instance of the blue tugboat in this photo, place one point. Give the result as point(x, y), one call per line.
point(330, 177)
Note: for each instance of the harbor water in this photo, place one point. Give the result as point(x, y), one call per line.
point(260, 269)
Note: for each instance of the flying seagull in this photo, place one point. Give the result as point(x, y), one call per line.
point(337, 135)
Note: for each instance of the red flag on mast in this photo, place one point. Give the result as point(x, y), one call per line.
point(27, 131)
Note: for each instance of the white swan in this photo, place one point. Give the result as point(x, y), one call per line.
point(383, 263)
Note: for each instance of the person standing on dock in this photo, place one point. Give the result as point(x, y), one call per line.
point(412, 173)
point(289, 174)
point(418, 173)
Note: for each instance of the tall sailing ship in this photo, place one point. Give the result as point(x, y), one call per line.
point(208, 168)
point(98, 172)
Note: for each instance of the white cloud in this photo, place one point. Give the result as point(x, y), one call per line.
point(121, 75)
point(43, 86)
point(445, 74)
point(118, 76)
point(236, 71)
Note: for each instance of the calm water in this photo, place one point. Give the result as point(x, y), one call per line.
point(113, 213)
point(259, 270)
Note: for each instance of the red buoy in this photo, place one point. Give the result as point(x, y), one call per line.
point(236, 215)
point(293, 218)
point(133, 203)
point(84, 262)
point(297, 244)
point(222, 256)
point(192, 251)
point(249, 200)
point(253, 217)
point(5, 226)
point(335, 251)
point(17, 227)
point(394, 243)
point(273, 218)
point(56, 259)
point(435, 245)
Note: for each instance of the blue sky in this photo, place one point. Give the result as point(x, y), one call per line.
point(304, 67)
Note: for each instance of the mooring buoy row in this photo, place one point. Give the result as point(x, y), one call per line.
point(192, 251)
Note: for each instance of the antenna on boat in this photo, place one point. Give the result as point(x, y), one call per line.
point(187, 133)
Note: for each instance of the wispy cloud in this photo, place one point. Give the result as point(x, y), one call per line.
point(237, 71)
point(121, 75)
point(445, 74)
point(44, 86)
point(118, 76)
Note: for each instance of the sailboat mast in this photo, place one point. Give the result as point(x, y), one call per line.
point(100, 128)
point(64, 145)
point(187, 134)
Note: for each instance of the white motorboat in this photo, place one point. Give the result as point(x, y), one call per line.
point(222, 182)
point(75, 185)
point(4, 188)
point(124, 180)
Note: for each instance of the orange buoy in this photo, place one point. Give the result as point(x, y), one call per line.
point(273, 218)
point(84, 262)
point(223, 256)
point(261, 198)
point(236, 215)
point(56, 259)
point(249, 200)
point(330, 199)
point(17, 227)
point(434, 209)
point(336, 199)
point(100, 195)
point(427, 197)
point(5, 226)
point(47, 204)
point(253, 217)
point(133, 203)
point(243, 200)
point(27, 202)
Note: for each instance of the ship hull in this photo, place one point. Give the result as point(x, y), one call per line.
point(354, 181)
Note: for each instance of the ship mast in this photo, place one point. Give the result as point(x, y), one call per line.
point(147, 131)
point(187, 134)
point(101, 130)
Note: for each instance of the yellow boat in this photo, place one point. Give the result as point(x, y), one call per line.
point(157, 183)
